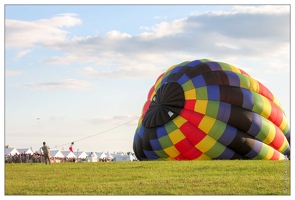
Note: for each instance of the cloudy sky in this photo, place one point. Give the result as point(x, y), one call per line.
point(82, 73)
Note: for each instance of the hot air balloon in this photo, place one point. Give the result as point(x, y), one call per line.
point(203, 109)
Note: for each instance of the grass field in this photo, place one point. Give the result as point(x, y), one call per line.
point(236, 177)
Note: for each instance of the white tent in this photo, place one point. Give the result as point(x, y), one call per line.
point(123, 158)
point(11, 151)
point(91, 154)
point(82, 154)
point(109, 156)
point(26, 150)
point(32, 149)
point(92, 157)
point(114, 154)
point(56, 154)
point(101, 155)
point(68, 154)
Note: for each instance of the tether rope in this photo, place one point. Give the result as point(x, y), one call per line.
point(98, 133)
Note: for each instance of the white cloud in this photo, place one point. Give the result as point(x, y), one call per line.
point(135, 72)
point(68, 84)
point(46, 32)
point(243, 33)
point(12, 73)
point(164, 29)
point(23, 53)
point(263, 9)
point(227, 45)
point(117, 35)
point(63, 20)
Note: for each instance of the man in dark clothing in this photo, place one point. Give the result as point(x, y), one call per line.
point(45, 148)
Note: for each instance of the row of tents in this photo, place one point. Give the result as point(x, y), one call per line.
point(80, 155)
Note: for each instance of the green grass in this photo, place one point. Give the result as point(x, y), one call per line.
point(236, 177)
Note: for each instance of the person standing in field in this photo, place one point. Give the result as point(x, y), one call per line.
point(45, 148)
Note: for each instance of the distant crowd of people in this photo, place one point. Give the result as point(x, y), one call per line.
point(44, 157)
point(34, 158)
point(23, 158)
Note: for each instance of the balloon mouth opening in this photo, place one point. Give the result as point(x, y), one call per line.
point(165, 106)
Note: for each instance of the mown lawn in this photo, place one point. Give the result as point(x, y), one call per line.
point(235, 177)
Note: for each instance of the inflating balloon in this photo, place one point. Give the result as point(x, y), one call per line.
point(203, 109)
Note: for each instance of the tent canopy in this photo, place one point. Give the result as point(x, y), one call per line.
point(56, 154)
point(68, 154)
point(82, 154)
point(11, 151)
point(101, 154)
point(26, 150)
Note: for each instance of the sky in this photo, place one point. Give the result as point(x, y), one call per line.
point(81, 73)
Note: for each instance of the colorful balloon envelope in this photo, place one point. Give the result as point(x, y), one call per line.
point(202, 109)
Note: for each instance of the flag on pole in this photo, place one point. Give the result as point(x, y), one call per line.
point(71, 147)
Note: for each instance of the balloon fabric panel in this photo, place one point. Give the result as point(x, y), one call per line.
point(202, 109)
